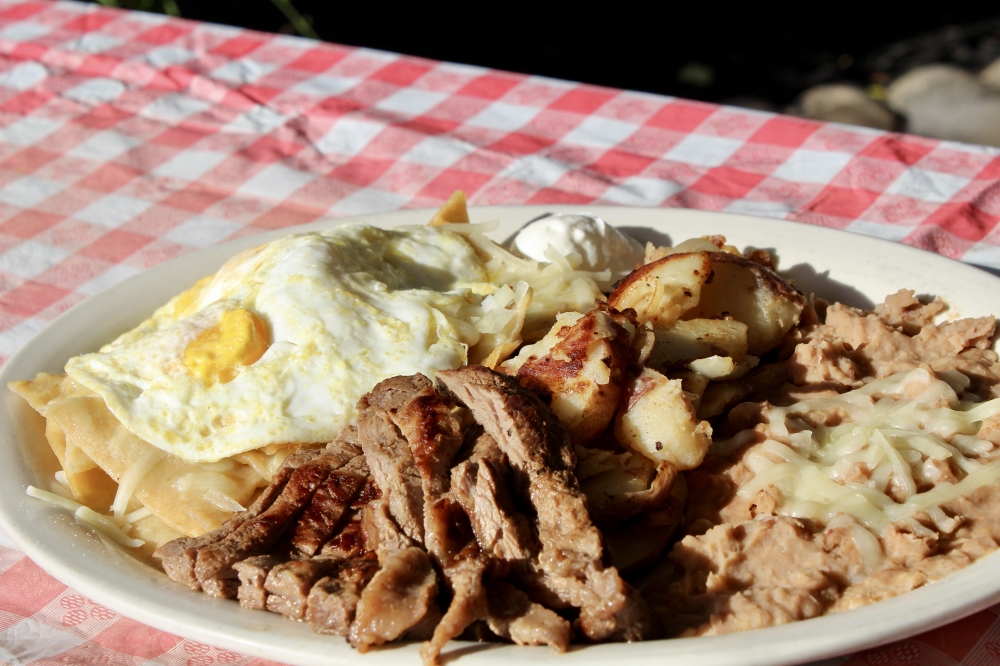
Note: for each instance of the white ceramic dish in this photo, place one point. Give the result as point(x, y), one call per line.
point(855, 269)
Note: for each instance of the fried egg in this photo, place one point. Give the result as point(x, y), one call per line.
point(278, 346)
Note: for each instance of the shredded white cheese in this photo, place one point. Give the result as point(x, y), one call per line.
point(882, 457)
point(114, 529)
point(129, 482)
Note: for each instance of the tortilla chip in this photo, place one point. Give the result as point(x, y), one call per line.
point(155, 533)
point(89, 484)
point(82, 422)
point(453, 211)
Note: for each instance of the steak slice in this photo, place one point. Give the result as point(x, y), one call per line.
point(257, 536)
point(425, 419)
point(333, 600)
point(348, 542)
point(288, 584)
point(178, 557)
point(570, 562)
point(252, 573)
point(512, 615)
point(502, 531)
point(346, 443)
point(381, 534)
point(393, 468)
point(400, 598)
point(326, 511)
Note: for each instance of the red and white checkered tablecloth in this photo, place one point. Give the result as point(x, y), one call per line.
point(127, 139)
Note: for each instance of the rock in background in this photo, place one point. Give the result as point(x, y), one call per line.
point(944, 85)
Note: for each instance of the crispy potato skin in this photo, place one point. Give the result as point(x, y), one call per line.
point(664, 290)
point(753, 294)
point(657, 420)
point(583, 371)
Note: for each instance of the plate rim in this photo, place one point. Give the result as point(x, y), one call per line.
point(785, 644)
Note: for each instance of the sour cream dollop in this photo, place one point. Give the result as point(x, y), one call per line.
point(600, 245)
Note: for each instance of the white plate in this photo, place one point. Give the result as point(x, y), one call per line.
point(856, 269)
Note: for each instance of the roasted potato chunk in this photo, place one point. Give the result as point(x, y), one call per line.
point(750, 293)
point(658, 421)
point(616, 495)
point(687, 340)
point(720, 396)
point(580, 364)
point(662, 291)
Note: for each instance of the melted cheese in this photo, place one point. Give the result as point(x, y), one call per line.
point(881, 461)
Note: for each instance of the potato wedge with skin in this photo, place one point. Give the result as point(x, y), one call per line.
point(663, 290)
point(582, 367)
point(688, 339)
point(750, 293)
point(658, 421)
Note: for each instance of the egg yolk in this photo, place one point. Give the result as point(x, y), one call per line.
point(238, 340)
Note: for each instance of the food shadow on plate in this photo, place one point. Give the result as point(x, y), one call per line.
point(645, 234)
point(819, 283)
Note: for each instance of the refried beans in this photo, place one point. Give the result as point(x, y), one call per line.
point(881, 447)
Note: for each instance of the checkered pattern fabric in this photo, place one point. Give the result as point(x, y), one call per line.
point(127, 139)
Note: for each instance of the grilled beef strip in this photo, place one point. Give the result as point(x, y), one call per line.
point(288, 584)
point(570, 562)
point(178, 557)
point(257, 536)
point(399, 600)
point(501, 530)
point(333, 600)
point(252, 573)
point(425, 419)
point(515, 617)
point(326, 511)
point(393, 468)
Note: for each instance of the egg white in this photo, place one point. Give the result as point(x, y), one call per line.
point(344, 308)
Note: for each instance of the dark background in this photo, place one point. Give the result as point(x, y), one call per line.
point(761, 57)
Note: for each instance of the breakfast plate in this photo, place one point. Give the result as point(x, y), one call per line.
point(852, 269)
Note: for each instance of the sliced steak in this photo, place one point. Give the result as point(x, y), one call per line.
point(400, 598)
point(326, 511)
point(501, 530)
point(512, 615)
point(570, 561)
point(252, 573)
point(393, 468)
point(346, 443)
point(257, 536)
point(288, 584)
point(333, 600)
point(381, 534)
point(464, 575)
point(425, 419)
point(349, 542)
point(178, 557)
